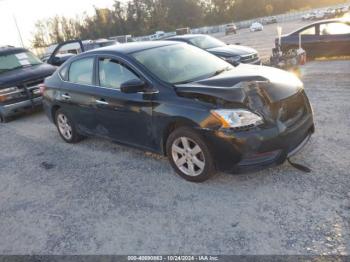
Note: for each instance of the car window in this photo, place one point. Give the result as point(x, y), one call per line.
point(334, 29)
point(64, 73)
point(81, 71)
point(70, 48)
point(112, 74)
point(309, 31)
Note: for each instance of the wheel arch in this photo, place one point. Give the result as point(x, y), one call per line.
point(173, 125)
point(54, 109)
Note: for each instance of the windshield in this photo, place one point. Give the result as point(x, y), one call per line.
point(181, 63)
point(18, 60)
point(206, 42)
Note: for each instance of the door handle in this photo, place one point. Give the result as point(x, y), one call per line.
point(102, 102)
point(66, 96)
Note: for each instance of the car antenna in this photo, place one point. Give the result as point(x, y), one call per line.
point(299, 166)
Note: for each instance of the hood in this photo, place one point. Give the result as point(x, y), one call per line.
point(18, 76)
point(276, 95)
point(237, 84)
point(232, 50)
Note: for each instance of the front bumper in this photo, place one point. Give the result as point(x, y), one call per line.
point(246, 151)
point(8, 110)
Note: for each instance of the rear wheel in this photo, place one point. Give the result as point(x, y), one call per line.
point(189, 155)
point(3, 119)
point(66, 127)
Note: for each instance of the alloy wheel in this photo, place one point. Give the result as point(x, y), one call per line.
point(64, 126)
point(188, 156)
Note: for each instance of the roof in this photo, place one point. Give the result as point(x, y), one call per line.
point(187, 36)
point(8, 50)
point(128, 48)
point(342, 20)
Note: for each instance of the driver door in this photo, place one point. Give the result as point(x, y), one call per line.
point(126, 118)
point(335, 38)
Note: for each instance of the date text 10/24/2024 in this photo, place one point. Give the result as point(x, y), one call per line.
point(173, 258)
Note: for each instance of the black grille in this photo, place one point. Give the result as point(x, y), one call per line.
point(249, 58)
point(32, 87)
point(34, 83)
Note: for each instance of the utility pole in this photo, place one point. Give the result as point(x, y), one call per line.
point(18, 31)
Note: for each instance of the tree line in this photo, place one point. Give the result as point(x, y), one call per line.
point(142, 17)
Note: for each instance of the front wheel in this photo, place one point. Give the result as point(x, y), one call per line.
point(189, 155)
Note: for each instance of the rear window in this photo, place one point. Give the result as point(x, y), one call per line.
point(64, 73)
point(81, 71)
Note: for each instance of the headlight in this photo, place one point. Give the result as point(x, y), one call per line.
point(8, 90)
point(9, 93)
point(237, 118)
point(232, 59)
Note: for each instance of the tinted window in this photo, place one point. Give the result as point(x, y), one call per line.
point(309, 31)
point(81, 71)
point(64, 73)
point(180, 63)
point(334, 29)
point(112, 74)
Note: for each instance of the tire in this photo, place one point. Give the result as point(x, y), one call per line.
point(66, 127)
point(189, 155)
point(3, 119)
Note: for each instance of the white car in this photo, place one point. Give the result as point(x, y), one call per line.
point(320, 15)
point(256, 27)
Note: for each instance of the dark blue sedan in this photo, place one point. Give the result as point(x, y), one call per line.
point(183, 102)
point(322, 39)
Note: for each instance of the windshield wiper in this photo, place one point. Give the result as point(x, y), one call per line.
point(220, 71)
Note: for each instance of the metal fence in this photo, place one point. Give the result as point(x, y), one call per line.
point(292, 16)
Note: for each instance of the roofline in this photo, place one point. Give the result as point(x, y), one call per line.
point(109, 49)
point(320, 22)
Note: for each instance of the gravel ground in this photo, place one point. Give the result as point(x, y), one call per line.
point(97, 197)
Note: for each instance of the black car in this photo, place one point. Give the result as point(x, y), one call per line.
point(59, 53)
point(233, 54)
point(183, 102)
point(21, 73)
point(321, 39)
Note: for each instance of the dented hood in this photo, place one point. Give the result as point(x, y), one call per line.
point(243, 81)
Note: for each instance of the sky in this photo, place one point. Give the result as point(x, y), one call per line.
point(27, 12)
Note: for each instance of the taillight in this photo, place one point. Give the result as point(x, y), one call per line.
point(42, 88)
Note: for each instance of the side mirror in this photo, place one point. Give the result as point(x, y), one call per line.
point(133, 86)
point(56, 61)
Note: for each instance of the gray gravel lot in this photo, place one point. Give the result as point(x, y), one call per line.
point(97, 197)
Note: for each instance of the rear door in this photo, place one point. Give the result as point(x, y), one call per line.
point(77, 92)
point(335, 38)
